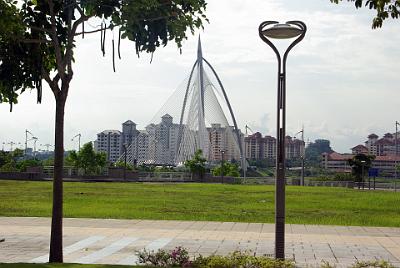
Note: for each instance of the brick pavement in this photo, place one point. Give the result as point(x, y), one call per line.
point(115, 241)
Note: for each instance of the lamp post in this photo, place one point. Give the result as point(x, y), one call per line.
point(302, 155)
point(35, 139)
point(79, 140)
point(124, 145)
point(362, 172)
point(26, 141)
point(288, 30)
point(222, 165)
point(396, 150)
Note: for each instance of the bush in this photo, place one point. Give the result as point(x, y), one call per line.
point(372, 264)
point(179, 257)
point(344, 177)
point(241, 260)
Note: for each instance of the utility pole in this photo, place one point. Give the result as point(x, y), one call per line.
point(34, 146)
point(124, 145)
point(79, 141)
point(396, 150)
point(26, 141)
point(222, 165)
point(302, 154)
point(11, 143)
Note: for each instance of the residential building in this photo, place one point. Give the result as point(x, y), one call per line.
point(109, 141)
point(339, 163)
point(258, 147)
point(384, 146)
point(222, 143)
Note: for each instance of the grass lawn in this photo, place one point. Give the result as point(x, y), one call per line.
point(210, 202)
point(61, 265)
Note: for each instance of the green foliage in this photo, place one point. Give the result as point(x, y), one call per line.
point(8, 160)
point(197, 165)
point(226, 169)
point(121, 164)
point(241, 260)
point(24, 164)
point(179, 257)
point(373, 264)
point(315, 150)
point(360, 164)
point(36, 38)
point(343, 177)
point(87, 159)
point(146, 168)
point(384, 9)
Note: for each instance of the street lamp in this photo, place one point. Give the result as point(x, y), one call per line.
point(124, 145)
point(302, 155)
point(222, 165)
point(79, 140)
point(26, 141)
point(396, 151)
point(290, 29)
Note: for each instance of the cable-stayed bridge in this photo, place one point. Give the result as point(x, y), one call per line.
point(206, 122)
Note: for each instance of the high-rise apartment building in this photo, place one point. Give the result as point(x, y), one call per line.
point(222, 143)
point(109, 141)
point(259, 147)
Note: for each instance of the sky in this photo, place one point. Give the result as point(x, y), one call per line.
point(342, 79)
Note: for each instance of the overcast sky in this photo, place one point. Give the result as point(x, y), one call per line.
point(342, 79)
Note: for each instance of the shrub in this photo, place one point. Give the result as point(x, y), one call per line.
point(239, 259)
point(179, 257)
point(344, 177)
point(372, 264)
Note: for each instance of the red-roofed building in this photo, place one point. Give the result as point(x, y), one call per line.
point(359, 149)
point(259, 147)
point(339, 163)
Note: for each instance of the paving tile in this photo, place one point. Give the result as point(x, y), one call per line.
point(28, 238)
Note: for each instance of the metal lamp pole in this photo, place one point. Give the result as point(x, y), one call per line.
point(288, 30)
point(396, 151)
point(79, 140)
point(302, 156)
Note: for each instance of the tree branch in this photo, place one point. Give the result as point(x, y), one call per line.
point(36, 41)
point(41, 29)
point(56, 42)
point(94, 31)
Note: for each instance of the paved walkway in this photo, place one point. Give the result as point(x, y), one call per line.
point(115, 241)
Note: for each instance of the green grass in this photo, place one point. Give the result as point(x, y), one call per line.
point(62, 265)
point(209, 202)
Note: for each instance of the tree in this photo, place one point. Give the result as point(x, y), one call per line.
point(121, 164)
point(384, 9)
point(88, 160)
point(226, 169)
point(8, 160)
point(360, 164)
point(315, 149)
point(37, 42)
point(197, 165)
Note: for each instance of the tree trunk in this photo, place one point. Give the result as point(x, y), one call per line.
point(56, 244)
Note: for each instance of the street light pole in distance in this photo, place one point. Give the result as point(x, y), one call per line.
point(396, 150)
point(302, 155)
point(290, 29)
point(79, 141)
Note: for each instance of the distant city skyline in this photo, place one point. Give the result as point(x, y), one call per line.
point(342, 79)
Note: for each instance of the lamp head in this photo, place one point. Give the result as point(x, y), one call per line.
point(282, 31)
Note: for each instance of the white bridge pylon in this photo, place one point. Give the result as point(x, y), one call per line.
point(203, 124)
point(201, 105)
